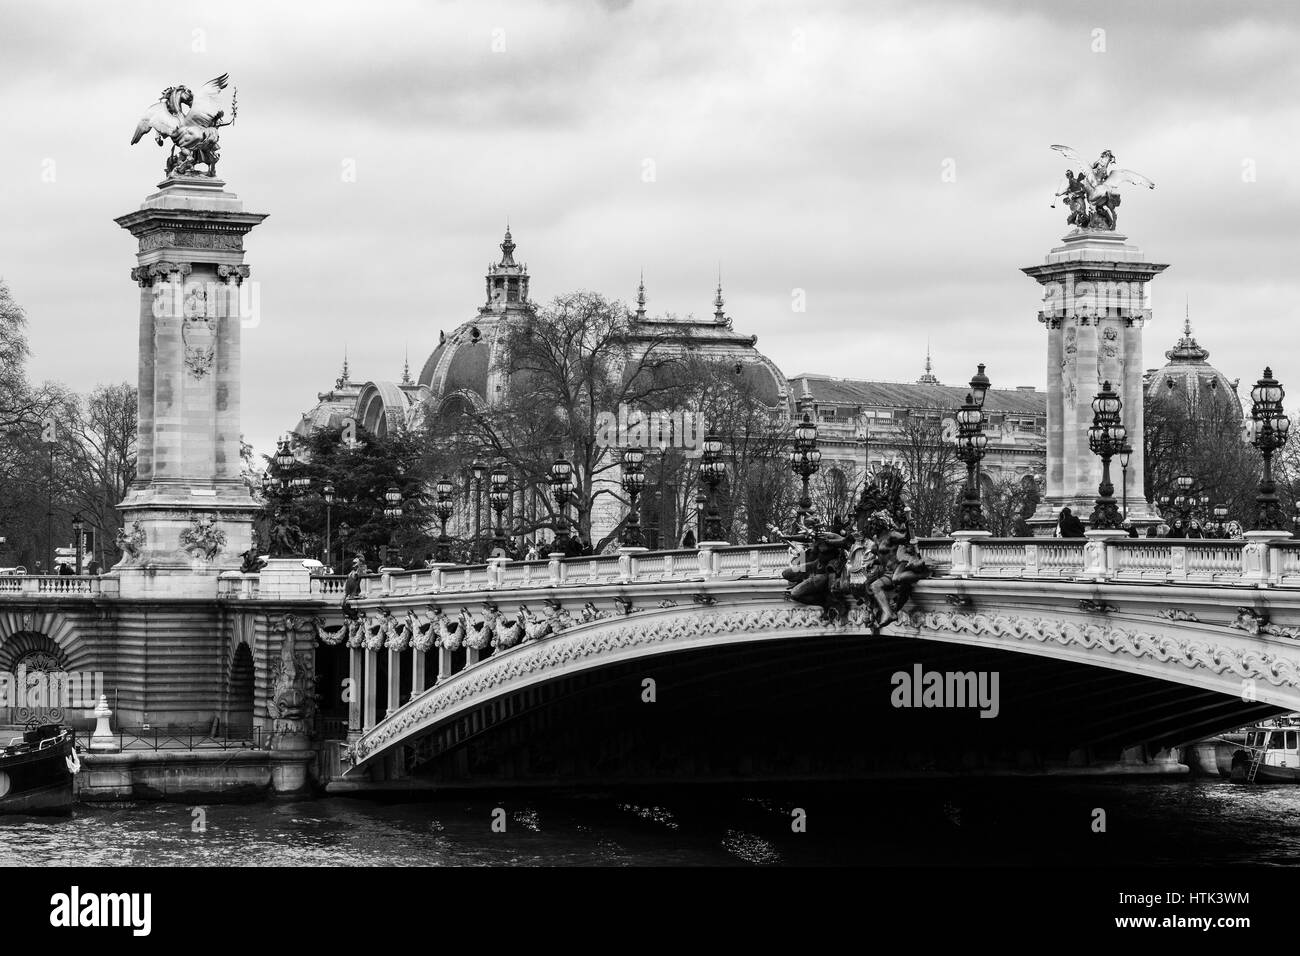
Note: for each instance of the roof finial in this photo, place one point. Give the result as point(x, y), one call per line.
point(344, 376)
point(1187, 315)
point(928, 378)
point(718, 301)
point(640, 297)
point(406, 367)
point(507, 247)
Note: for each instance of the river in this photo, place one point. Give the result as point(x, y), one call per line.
point(933, 822)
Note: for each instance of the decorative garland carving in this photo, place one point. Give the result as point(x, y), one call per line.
point(1278, 671)
point(1252, 622)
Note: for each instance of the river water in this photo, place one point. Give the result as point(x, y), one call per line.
point(935, 822)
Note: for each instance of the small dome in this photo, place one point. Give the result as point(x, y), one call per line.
point(1190, 378)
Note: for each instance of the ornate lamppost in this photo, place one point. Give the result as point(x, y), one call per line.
point(633, 482)
point(862, 436)
point(805, 461)
point(1105, 438)
point(392, 511)
point(327, 493)
point(1268, 427)
point(561, 479)
point(1125, 454)
point(442, 509)
point(499, 499)
point(1184, 501)
point(279, 489)
point(345, 532)
point(78, 542)
point(1220, 521)
point(712, 470)
point(971, 442)
point(478, 469)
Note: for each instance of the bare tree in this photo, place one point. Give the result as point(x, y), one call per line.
point(932, 470)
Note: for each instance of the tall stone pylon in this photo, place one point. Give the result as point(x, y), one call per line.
point(188, 515)
point(1095, 305)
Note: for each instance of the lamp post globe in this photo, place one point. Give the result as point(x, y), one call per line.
point(1107, 437)
point(1267, 429)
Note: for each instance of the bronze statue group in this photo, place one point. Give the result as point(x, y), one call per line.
point(871, 558)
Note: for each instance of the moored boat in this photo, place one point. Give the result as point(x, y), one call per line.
point(1271, 753)
point(36, 771)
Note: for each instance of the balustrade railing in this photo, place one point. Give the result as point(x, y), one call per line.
point(59, 585)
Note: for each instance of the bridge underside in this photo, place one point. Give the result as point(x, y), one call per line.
point(814, 708)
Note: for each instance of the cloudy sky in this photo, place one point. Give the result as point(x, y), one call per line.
point(889, 159)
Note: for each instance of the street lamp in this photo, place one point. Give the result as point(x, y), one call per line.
point(979, 387)
point(478, 469)
point(561, 479)
point(862, 435)
point(1105, 438)
point(633, 482)
point(77, 526)
point(1220, 522)
point(805, 460)
point(328, 494)
point(48, 438)
point(1267, 428)
point(345, 532)
point(499, 499)
point(442, 509)
point(1125, 454)
point(392, 511)
point(712, 470)
point(971, 442)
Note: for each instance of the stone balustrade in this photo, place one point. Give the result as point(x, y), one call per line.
point(58, 586)
point(1256, 564)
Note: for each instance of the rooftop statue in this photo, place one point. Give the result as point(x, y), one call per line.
point(192, 123)
point(1092, 191)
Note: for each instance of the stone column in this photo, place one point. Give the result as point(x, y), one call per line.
point(189, 263)
point(444, 664)
point(394, 681)
point(1095, 281)
point(371, 696)
point(417, 672)
point(356, 676)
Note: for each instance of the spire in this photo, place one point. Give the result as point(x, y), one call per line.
point(1188, 351)
point(406, 367)
point(640, 298)
point(507, 248)
point(343, 377)
point(718, 301)
point(928, 378)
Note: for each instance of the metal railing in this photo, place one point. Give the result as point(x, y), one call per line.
point(136, 739)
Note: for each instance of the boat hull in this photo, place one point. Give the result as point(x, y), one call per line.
point(1265, 773)
point(38, 781)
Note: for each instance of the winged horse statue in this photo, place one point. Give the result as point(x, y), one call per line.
point(192, 122)
point(1092, 190)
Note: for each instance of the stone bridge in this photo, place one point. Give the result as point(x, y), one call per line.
point(1100, 647)
point(682, 664)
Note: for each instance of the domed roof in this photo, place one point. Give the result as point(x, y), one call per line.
point(463, 362)
point(1193, 380)
point(332, 408)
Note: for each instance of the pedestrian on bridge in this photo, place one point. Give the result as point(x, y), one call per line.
point(1068, 526)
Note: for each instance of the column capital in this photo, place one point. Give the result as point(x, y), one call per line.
point(236, 274)
point(159, 271)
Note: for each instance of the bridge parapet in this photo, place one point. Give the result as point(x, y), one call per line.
point(57, 586)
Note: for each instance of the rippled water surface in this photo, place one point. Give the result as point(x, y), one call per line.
point(1016, 822)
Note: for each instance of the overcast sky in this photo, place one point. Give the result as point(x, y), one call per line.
point(799, 146)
